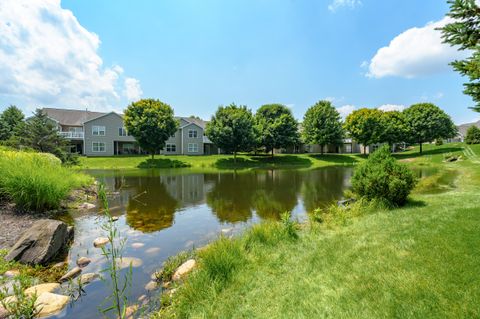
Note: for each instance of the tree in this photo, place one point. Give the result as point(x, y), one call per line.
point(276, 127)
point(10, 119)
point(41, 134)
point(232, 129)
point(364, 126)
point(473, 135)
point(322, 125)
point(426, 122)
point(464, 32)
point(393, 128)
point(151, 122)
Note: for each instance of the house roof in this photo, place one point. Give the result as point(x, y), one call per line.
point(71, 117)
point(194, 120)
point(462, 129)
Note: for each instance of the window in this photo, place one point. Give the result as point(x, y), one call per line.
point(192, 133)
point(98, 130)
point(98, 147)
point(193, 147)
point(171, 148)
point(122, 131)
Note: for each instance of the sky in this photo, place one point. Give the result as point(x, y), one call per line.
point(197, 55)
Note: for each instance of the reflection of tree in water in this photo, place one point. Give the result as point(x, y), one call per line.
point(152, 208)
point(322, 186)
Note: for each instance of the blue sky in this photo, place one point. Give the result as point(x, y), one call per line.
point(197, 55)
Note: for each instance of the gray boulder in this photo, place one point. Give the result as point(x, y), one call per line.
point(40, 243)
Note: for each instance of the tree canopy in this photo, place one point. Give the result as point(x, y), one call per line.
point(322, 125)
point(393, 127)
point(364, 126)
point(10, 119)
point(151, 122)
point(232, 129)
point(276, 127)
point(426, 122)
point(473, 135)
point(464, 32)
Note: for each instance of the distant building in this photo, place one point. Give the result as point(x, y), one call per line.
point(462, 131)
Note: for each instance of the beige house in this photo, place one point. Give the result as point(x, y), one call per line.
point(104, 134)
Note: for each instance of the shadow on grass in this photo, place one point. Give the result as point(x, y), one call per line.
point(436, 151)
point(338, 158)
point(263, 161)
point(413, 203)
point(162, 163)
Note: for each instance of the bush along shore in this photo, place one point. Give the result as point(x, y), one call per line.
point(370, 258)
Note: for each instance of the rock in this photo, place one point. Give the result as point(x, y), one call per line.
point(125, 262)
point(70, 233)
point(130, 311)
point(11, 273)
point(87, 278)
point(100, 241)
point(151, 285)
point(166, 285)
point(49, 304)
point(114, 218)
point(8, 287)
point(60, 264)
point(152, 250)
point(40, 243)
point(40, 289)
point(142, 298)
point(184, 269)
point(137, 245)
point(86, 206)
point(83, 262)
point(172, 292)
point(345, 202)
point(71, 274)
point(3, 312)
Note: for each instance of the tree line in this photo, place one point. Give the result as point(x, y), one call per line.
point(235, 128)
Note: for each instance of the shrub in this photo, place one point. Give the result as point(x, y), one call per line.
point(382, 177)
point(438, 142)
point(36, 181)
point(473, 135)
point(222, 258)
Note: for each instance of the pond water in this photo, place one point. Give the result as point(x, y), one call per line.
point(162, 212)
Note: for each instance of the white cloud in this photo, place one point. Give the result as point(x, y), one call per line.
point(132, 91)
point(346, 110)
point(48, 59)
point(391, 107)
point(415, 52)
point(336, 4)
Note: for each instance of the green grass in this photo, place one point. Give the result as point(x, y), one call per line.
point(219, 161)
point(419, 261)
point(36, 181)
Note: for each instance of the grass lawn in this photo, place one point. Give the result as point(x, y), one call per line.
point(419, 261)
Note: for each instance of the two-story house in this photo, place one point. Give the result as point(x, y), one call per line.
point(104, 134)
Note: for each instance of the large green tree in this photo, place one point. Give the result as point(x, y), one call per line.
point(232, 129)
point(276, 127)
point(464, 32)
point(151, 122)
point(10, 119)
point(365, 126)
point(322, 125)
point(393, 128)
point(473, 135)
point(426, 122)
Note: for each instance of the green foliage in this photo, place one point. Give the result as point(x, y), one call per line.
point(36, 181)
point(393, 127)
point(10, 119)
point(464, 32)
point(151, 122)
point(439, 141)
point(381, 177)
point(20, 305)
point(171, 264)
point(427, 122)
point(364, 126)
point(232, 129)
point(322, 125)
point(473, 135)
point(275, 127)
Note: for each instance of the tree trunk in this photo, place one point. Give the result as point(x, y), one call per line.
point(321, 149)
point(421, 148)
point(364, 150)
point(234, 157)
point(152, 154)
point(272, 152)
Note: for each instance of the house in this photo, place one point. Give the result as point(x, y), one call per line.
point(462, 131)
point(104, 134)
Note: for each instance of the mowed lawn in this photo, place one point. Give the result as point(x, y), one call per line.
point(420, 261)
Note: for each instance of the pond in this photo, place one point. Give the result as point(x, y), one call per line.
point(162, 212)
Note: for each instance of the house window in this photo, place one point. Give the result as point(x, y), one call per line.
point(98, 130)
point(193, 147)
point(98, 147)
point(171, 148)
point(122, 131)
point(192, 133)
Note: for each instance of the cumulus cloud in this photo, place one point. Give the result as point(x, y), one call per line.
point(337, 4)
point(391, 107)
point(132, 91)
point(48, 58)
point(346, 110)
point(415, 52)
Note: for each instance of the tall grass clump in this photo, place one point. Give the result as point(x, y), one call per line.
point(381, 177)
point(36, 181)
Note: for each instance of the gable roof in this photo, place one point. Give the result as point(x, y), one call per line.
point(193, 120)
point(105, 114)
point(71, 117)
